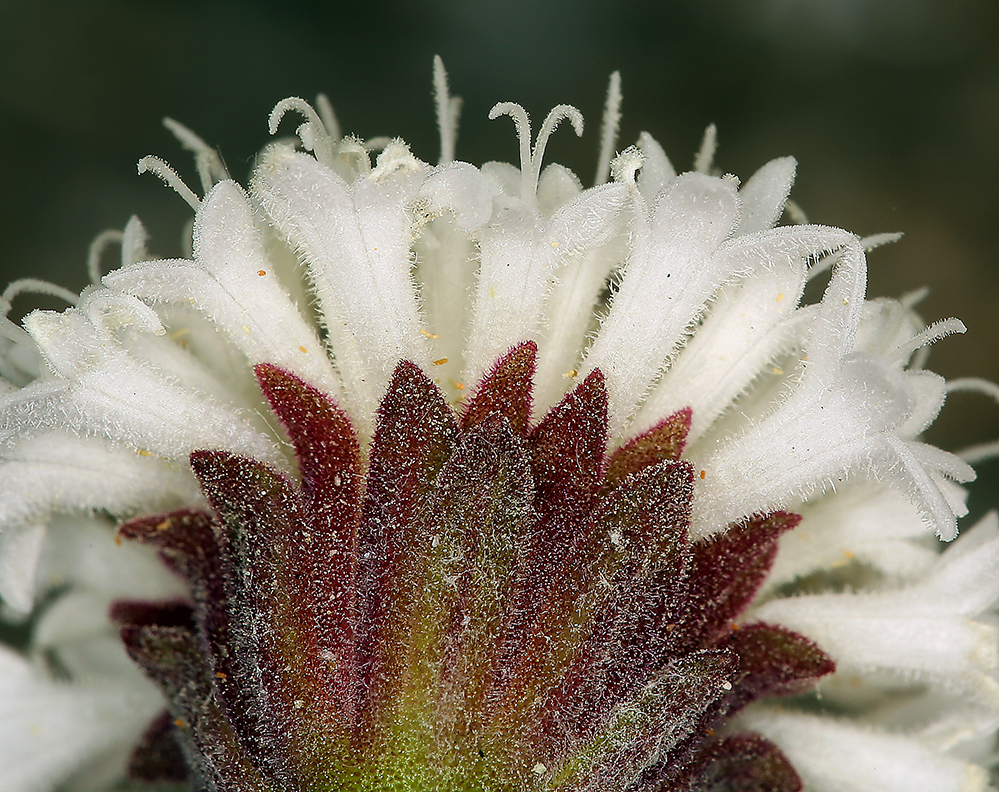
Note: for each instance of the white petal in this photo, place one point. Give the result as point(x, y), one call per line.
point(504, 177)
point(835, 756)
point(569, 316)
point(82, 552)
point(232, 282)
point(123, 398)
point(657, 170)
point(929, 391)
point(355, 240)
point(840, 421)
point(445, 270)
point(520, 255)
point(911, 470)
point(462, 189)
point(923, 632)
point(20, 549)
point(61, 472)
point(743, 331)
point(670, 274)
point(966, 580)
point(49, 729)
point(557, 185)
point(58, 472)
point(29, 410)
point(764, 195)
point(874, 525)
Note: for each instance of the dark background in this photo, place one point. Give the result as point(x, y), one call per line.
point(890, 106)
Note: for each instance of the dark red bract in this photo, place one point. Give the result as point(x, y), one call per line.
point(473, 603)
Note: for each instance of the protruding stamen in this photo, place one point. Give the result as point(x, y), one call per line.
point(111, 236)
point(706, 156)
point(375, 144)
point(869, 243)
point(35, 286)
point(927, 336)
point(11, 331)
point(522, 123)
point(313, 133)
point(448, 110)
point(187, 138)
point(299, 106)
point(974, 385)
point(982, 451)
point(795, 213)
point(206, 159)
point(912, 299)
point(609, 127)
point(552, 120)
point(325, 109)
point(170, 178)
point(530, 161)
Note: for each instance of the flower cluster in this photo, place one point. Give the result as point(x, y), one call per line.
point(446, 477)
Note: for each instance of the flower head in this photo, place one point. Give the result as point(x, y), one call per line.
point(445, 477)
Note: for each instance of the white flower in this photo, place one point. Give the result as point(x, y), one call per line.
point(335, 270)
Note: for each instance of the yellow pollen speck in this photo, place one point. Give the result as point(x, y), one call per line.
point(846, 301)
point(180, 333)
point(554, 244)
point(117, 539)
point(711, 732)
point(302, 349)
point(180, 723)
point(571, 374)
point(246, 329)
point(261, 273)
point(142, 452)
point(428, 334)
point(221, 676)
point(776, 370)
point(848, 554)
point(459, 385)
point(704, 474)
point(440, 362)
point(735, 626)
point(162, 526)
point(780, 296)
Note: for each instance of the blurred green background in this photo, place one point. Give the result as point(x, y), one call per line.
point(890, 106)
